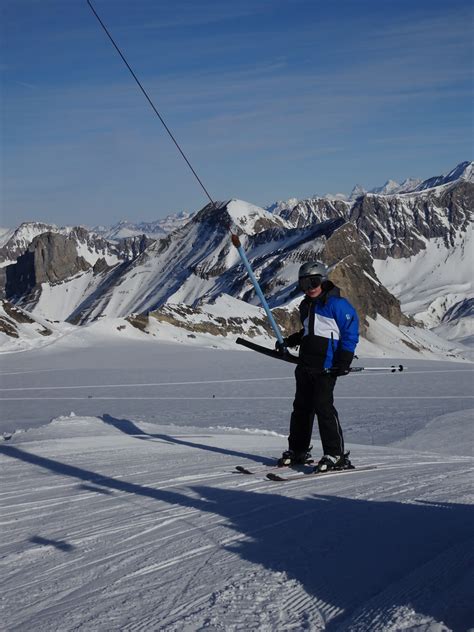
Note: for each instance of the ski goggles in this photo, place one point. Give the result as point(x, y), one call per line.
point(310, 282)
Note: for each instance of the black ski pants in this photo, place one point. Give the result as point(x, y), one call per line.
point(314, 396)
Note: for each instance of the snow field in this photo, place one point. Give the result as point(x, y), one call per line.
point(113, 525)
point(128, 514)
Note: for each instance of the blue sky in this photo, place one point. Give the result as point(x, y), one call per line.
point(270, 99)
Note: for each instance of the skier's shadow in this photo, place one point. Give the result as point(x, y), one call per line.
point(361, 558)
point(61, 545)
point(130, 428)
point(355, 561)
point(124, 425)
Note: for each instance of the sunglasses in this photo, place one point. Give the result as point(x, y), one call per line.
point(310, 282)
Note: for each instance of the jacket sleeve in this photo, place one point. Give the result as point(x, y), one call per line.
point(348, 324)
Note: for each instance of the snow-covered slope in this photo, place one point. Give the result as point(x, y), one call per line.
point(59, 301)
point(20, 332)
point(217, 325)
point(183, 267)
point(415, 238)
point(434, 281)
point(133, 518)
point(119, 536)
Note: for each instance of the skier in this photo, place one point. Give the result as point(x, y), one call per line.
point(327, 343)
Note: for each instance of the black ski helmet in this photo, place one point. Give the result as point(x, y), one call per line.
point(313, 268)
point(311, 275)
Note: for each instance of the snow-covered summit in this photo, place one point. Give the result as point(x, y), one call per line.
point(389, 187)
point(282, 205)
point(155, 229)
point(463, 171)
point(86, 277)
point(357, 192)
point(392, 187)
point(250, 218)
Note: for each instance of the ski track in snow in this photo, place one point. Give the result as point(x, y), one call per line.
point(100, 536)
point(129, 523)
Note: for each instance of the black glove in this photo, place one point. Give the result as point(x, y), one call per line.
point(281, 346)
point(342, 363)
point(295, 339)
point(291, 341)
point(340, 371)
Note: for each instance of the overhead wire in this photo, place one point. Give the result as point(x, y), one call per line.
point(151, 103)
point(234, 236)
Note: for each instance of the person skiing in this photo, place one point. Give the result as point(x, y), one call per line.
point(327, 344)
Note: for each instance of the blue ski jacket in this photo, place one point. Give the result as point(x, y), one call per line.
point(330, 330)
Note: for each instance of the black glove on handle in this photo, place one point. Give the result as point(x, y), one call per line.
point(290, 341)
point(342, 363)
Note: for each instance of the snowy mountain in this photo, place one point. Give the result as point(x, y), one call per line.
point(435, 285)
point(357, 192)
point(383, 247)
point(391, 187)
point(198, 263)
point(398, 225)
point(14, 242)
point(463, 171)
point(153, 230)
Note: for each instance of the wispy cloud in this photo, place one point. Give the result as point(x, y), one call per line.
point(248, 88)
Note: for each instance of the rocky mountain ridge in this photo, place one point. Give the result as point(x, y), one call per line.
point(153, 230)
point(398, 225)
point(196, 263)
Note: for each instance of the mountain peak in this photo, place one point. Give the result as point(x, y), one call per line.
point(389, 187)
point(356, 192)
point(463, 171)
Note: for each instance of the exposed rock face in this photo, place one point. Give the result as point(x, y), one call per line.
point(22, 238)
point(126, 247)
point(130, 247)
point(59, 254)
point(50, 258)
point(197, 263)
point(355, 276)
point(315, 210)
point(196, 320)
point(398, 226)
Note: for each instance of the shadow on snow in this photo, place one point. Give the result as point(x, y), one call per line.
point(130, 428)
point(61, 545)
point(345, 552)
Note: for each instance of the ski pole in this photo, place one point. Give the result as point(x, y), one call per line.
point(358, 369)
point(245, 261)
point(393, 368)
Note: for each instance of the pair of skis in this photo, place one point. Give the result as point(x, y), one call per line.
point(274, 475)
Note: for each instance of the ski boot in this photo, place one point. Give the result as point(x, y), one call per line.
point(329, 463)
point(290, 457)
